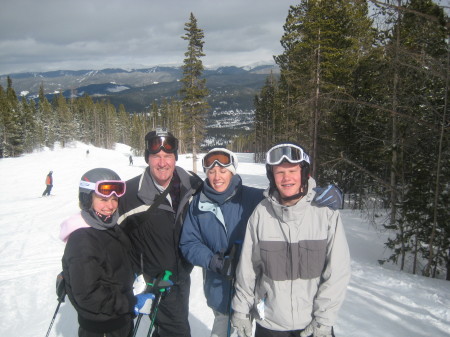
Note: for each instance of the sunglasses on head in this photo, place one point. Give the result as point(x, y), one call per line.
point(168, 144)
point(291, 153)
point(223, 159)
point(106, 188)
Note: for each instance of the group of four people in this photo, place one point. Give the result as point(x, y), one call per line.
point(292, 272)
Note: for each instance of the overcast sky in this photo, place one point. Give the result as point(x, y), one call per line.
point(42, 35)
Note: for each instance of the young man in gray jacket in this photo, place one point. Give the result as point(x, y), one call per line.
point(295, 263)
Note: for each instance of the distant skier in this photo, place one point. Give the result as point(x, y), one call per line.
point(131, 160)
point(49, 183)
point(87, 152)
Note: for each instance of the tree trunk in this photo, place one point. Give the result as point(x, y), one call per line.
point(316, 113)
point(448, 266)
point(438, 168)
point(194, 150)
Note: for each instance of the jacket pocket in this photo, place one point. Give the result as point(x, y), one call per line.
point(312, 254)
point(274, 257)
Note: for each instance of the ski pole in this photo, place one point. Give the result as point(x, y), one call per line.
point(234, 253)
point(53, 319)
point(61, 293)
point(230, 296)
point(166, 277)
point(137, 325)
point(140, 315)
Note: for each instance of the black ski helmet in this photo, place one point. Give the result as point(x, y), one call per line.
point(159, 132)
point(305, 166)
point(94, 175)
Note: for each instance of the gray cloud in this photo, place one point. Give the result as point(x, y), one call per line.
point(93, 34)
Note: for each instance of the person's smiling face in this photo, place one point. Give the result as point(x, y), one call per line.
point(162, 166)
point(104, 205)
point(287, 179)
point(219, 178)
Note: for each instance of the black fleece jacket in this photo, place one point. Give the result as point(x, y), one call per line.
point(99, 278)
point(155, 236)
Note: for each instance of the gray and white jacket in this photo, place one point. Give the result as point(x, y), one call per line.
point(295, 263)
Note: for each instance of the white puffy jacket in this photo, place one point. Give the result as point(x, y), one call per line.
point(295, 259)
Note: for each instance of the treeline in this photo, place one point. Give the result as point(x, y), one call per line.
point(367, 96)
point(28, 125)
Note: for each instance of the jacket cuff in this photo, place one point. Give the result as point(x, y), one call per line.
point(240, 315)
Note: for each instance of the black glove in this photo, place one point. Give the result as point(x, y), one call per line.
point(225, 264)
point(331, 197)
point(216, 263)
point(60, 287)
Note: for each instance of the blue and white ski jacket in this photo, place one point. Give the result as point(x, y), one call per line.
point(209, 229)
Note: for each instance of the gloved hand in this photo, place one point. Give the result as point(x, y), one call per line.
point(316, 329)
point(159, 284)
point(60, 287)
point(141, 285)
point(143, 304)
point(242, 323)
point(216, 263)
point(225, 264)
point(221, 264)
point(331, 197)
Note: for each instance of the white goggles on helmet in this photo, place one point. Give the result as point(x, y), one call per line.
point(286, 152)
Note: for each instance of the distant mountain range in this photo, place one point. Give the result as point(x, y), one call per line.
point(232, 90)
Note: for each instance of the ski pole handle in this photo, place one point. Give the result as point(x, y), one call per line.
point(166, 277)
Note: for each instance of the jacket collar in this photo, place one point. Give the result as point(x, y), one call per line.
point(148, 192)
point(292, 213)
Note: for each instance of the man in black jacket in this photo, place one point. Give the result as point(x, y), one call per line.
point(155, 231)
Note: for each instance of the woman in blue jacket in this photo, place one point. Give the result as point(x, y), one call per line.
point(216, 220)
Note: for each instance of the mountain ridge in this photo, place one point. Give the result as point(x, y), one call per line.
point(69, 79)
point(154, 83)
point(232, 91)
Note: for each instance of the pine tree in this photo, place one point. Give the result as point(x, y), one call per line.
point(194, 91)
point(110, 126)
point(30, 139)
point(393, 128)
point(124, 125)
point(138, 132)
point(3, 122)
point(174, 121)
point(323, 42)
point(420, 213)
point(48, 119)
point(65, 119)
point(11, 122)
point(267, 108)
point(84, 118)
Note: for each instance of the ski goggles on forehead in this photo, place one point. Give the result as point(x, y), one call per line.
point(168, 144)
point(223, 159)
point(105, 188)
point(292, 153)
